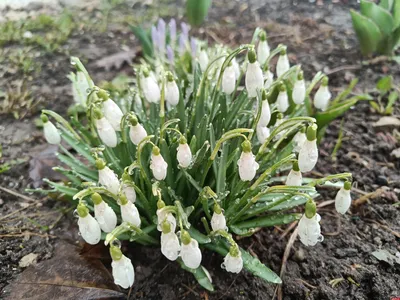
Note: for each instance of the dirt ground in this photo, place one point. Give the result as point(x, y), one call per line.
point(318, 37)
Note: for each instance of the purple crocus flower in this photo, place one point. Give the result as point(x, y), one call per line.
point(182, 44)
point(193, 46)
point(161, 34)
point(185, 29)
point(155, 37)
point(172, 31)
point(170, 55)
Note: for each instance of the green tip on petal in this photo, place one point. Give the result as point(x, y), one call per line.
point(347, 185)
point(182, 140)
point(325, 81)
point(311, 209)
point(115, 252)
point(96, 198)
point(122, 199)
point(283, 52)
point(103, 94)
point(44, 118)
point(133, 120)
point(100, 164)
point(185, 237)
point(82, 210)
point(251, 55)
point(166, 227)
point(263, 36)
point(217, 208)
point(170, 77)
point(312, 132)
point(282, 88)
point(246, 146)
point(296, 166)
point(300, 76)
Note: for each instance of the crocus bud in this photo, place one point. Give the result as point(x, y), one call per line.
point(136, 132)
point(283, 64)
point(158, 165)
point(51, 133)
point(171, 90)
point(309, 229)
point(323, 95)
point(343, 199)
point(105, 130)
point(170, 246)
point(218, 221)
point(203, 59)
point(89, 229)
point(154, 38)
point(122, 268)
point(193, 48)
point(129, 212)
point(282, 102)
point(161, 34)
point(190, 251)
point(262, 133)
point(150, 88)
point(247, 163)
point(269, 79)
point(229, 79)
point(254, 77)
point(184, 154)
point(265, 116)
point(308, 155)
point(113, 114)
point(294, 178)
point(299, 89)
point(233, 261)
point(107, 177)
point(170, 55)
point(104, 214)
point(263, 48)
point(299, 140)
point(172, 31)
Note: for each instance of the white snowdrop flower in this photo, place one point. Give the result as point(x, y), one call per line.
point(136, 131)
point(184, 154)
point(282, 101)
point(236, 67)
point(80, 86)
point(190, 251)
point(322, 96)
point(89, 229)
point(229, 80)
point(106, 132)
point(104, 214)
point(308, 155)
point(165, 215)
point(107, 177)
point(170, 246)
point(129, 192)
point(262, 49)
point(50, 131)
point(294, 178)
point(247, 163)
point(233, 262)
point(171, 91)
point(309, 229)
point(203, 60)
point(129, 212)
point(299, 140)
point(113, 114)
point(269, 79)
point(218, 220)
point(265, 115)
point(150, 88)
point(343, 199)
point(122, 268)
point(262, 133)
point(254, 77)
point(299, 90)
point(282, 65)
point(158, 165)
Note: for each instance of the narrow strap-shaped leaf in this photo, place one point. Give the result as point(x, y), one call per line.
point(144, 39)
point(198, 236)
point(201, 274)
point(267, 221)
point(78, 167)
point(378, 15)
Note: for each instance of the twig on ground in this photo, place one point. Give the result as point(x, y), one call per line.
point(306, 283)
point(289, 229)
point(366, 197)
point(343, 68)
point(16, 194)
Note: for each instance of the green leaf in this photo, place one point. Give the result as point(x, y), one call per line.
point(144, 39)
point(196, 11)
point(367, 31)
point(198, 236)
point(201, 274)
point(378, 15)
point(268, 221)
point(375, 106)
point(384, 85)
point(393, 96)
point(386, 4)
point(396, 14)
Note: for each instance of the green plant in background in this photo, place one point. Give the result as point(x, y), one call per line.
point(197, 11)
point(186, 158)
point(387, 90)
point(377, 26)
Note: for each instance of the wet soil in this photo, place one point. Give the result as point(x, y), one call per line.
point(318, 37)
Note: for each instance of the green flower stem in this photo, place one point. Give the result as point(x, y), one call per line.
point(89, 191)
point(63, 122)
point(272, 54)
point(205, 224)
point(318, 77)
point(345, 176)
point(162, 103)
point(257, 118)
point(145, 141)
point(128, 227)
point(224, 234)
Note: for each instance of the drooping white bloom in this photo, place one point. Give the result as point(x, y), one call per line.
point(170, 246)
point(229, 80)
point(282, 101)
point(262, 133)
point(294, 178)
point(233, 264)
point(236, 67)
point(309, 230)
point(159, 166)
point(262, 52)
point(89, 229)
point(282, 65)
point(184, 155)
point(164, 215)
point(137, 133)
point(299, 91)
point(171, 93)
point(299, 140)
point(51, 133)
point(130, 213)
point(247, 166)
point(123, 272)
point(109, 180)
point(129, 192)
point(191, 254)
point(254, 79)
point(343, 200)
point(269, 79)
point(265, 116)
point(203, 60)
point(322, 97)
point(105, 216)
point(308, 156)
point(106, 132)
point(151, 90)
point(113, 114)
point(218, 221)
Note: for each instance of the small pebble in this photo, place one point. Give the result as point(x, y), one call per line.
point(382, 181)
point(299, 255)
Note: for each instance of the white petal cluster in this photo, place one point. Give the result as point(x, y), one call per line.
point(308, 156)
point(89, 229)
point(113, 114)
point(342, 201)
point(322, 97)
point(105, 216)
point(51, 133)
point(299, 91)
point(247, 166)
point(233, 264)
point(150, 88)
point(229, 80)
point(309, 230)
point(130, 213)
point(137, 133)
point(123, 272)
point(191, 254)
point(170, 246)
point(218, 222)
point(184, 155)
point(106, 132)
point(263, 133)
point(265, 116)
point(282, 65)
point(294, 178)
point(203, 60)
point(109, 180)
point(269, 79)
point(254, 79)
point(262, 52)
point(282, 101)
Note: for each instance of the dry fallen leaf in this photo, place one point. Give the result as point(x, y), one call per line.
point(116, 60)
point(387, 122)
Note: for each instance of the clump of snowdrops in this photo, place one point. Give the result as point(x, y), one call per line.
point(187, 158)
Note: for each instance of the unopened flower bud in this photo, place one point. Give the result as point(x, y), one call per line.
point(282, 65)
point(269, 79)
point(262, 49)
point(122, 268)
point(322, 96)
point(203, 59)
point(129, 212)
point(299, 90)
point(294, 178)
point(113, 114)
point(136, 132)
point(282, 101)
point(51, 133)
point(107, 177)
point(106, 132)
point(184, 155)
point(308, 155)
point(309, 230)
point(150, 88)
point(229, 80)
point(263, 133)
point(343, 198)
point(233, 261)
point(247, 163)
point(171, 91)
point(89, 229)
point(190, 251)
point(104, 214)
point(218, 221)
point(158, 165)
point(254, 77)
